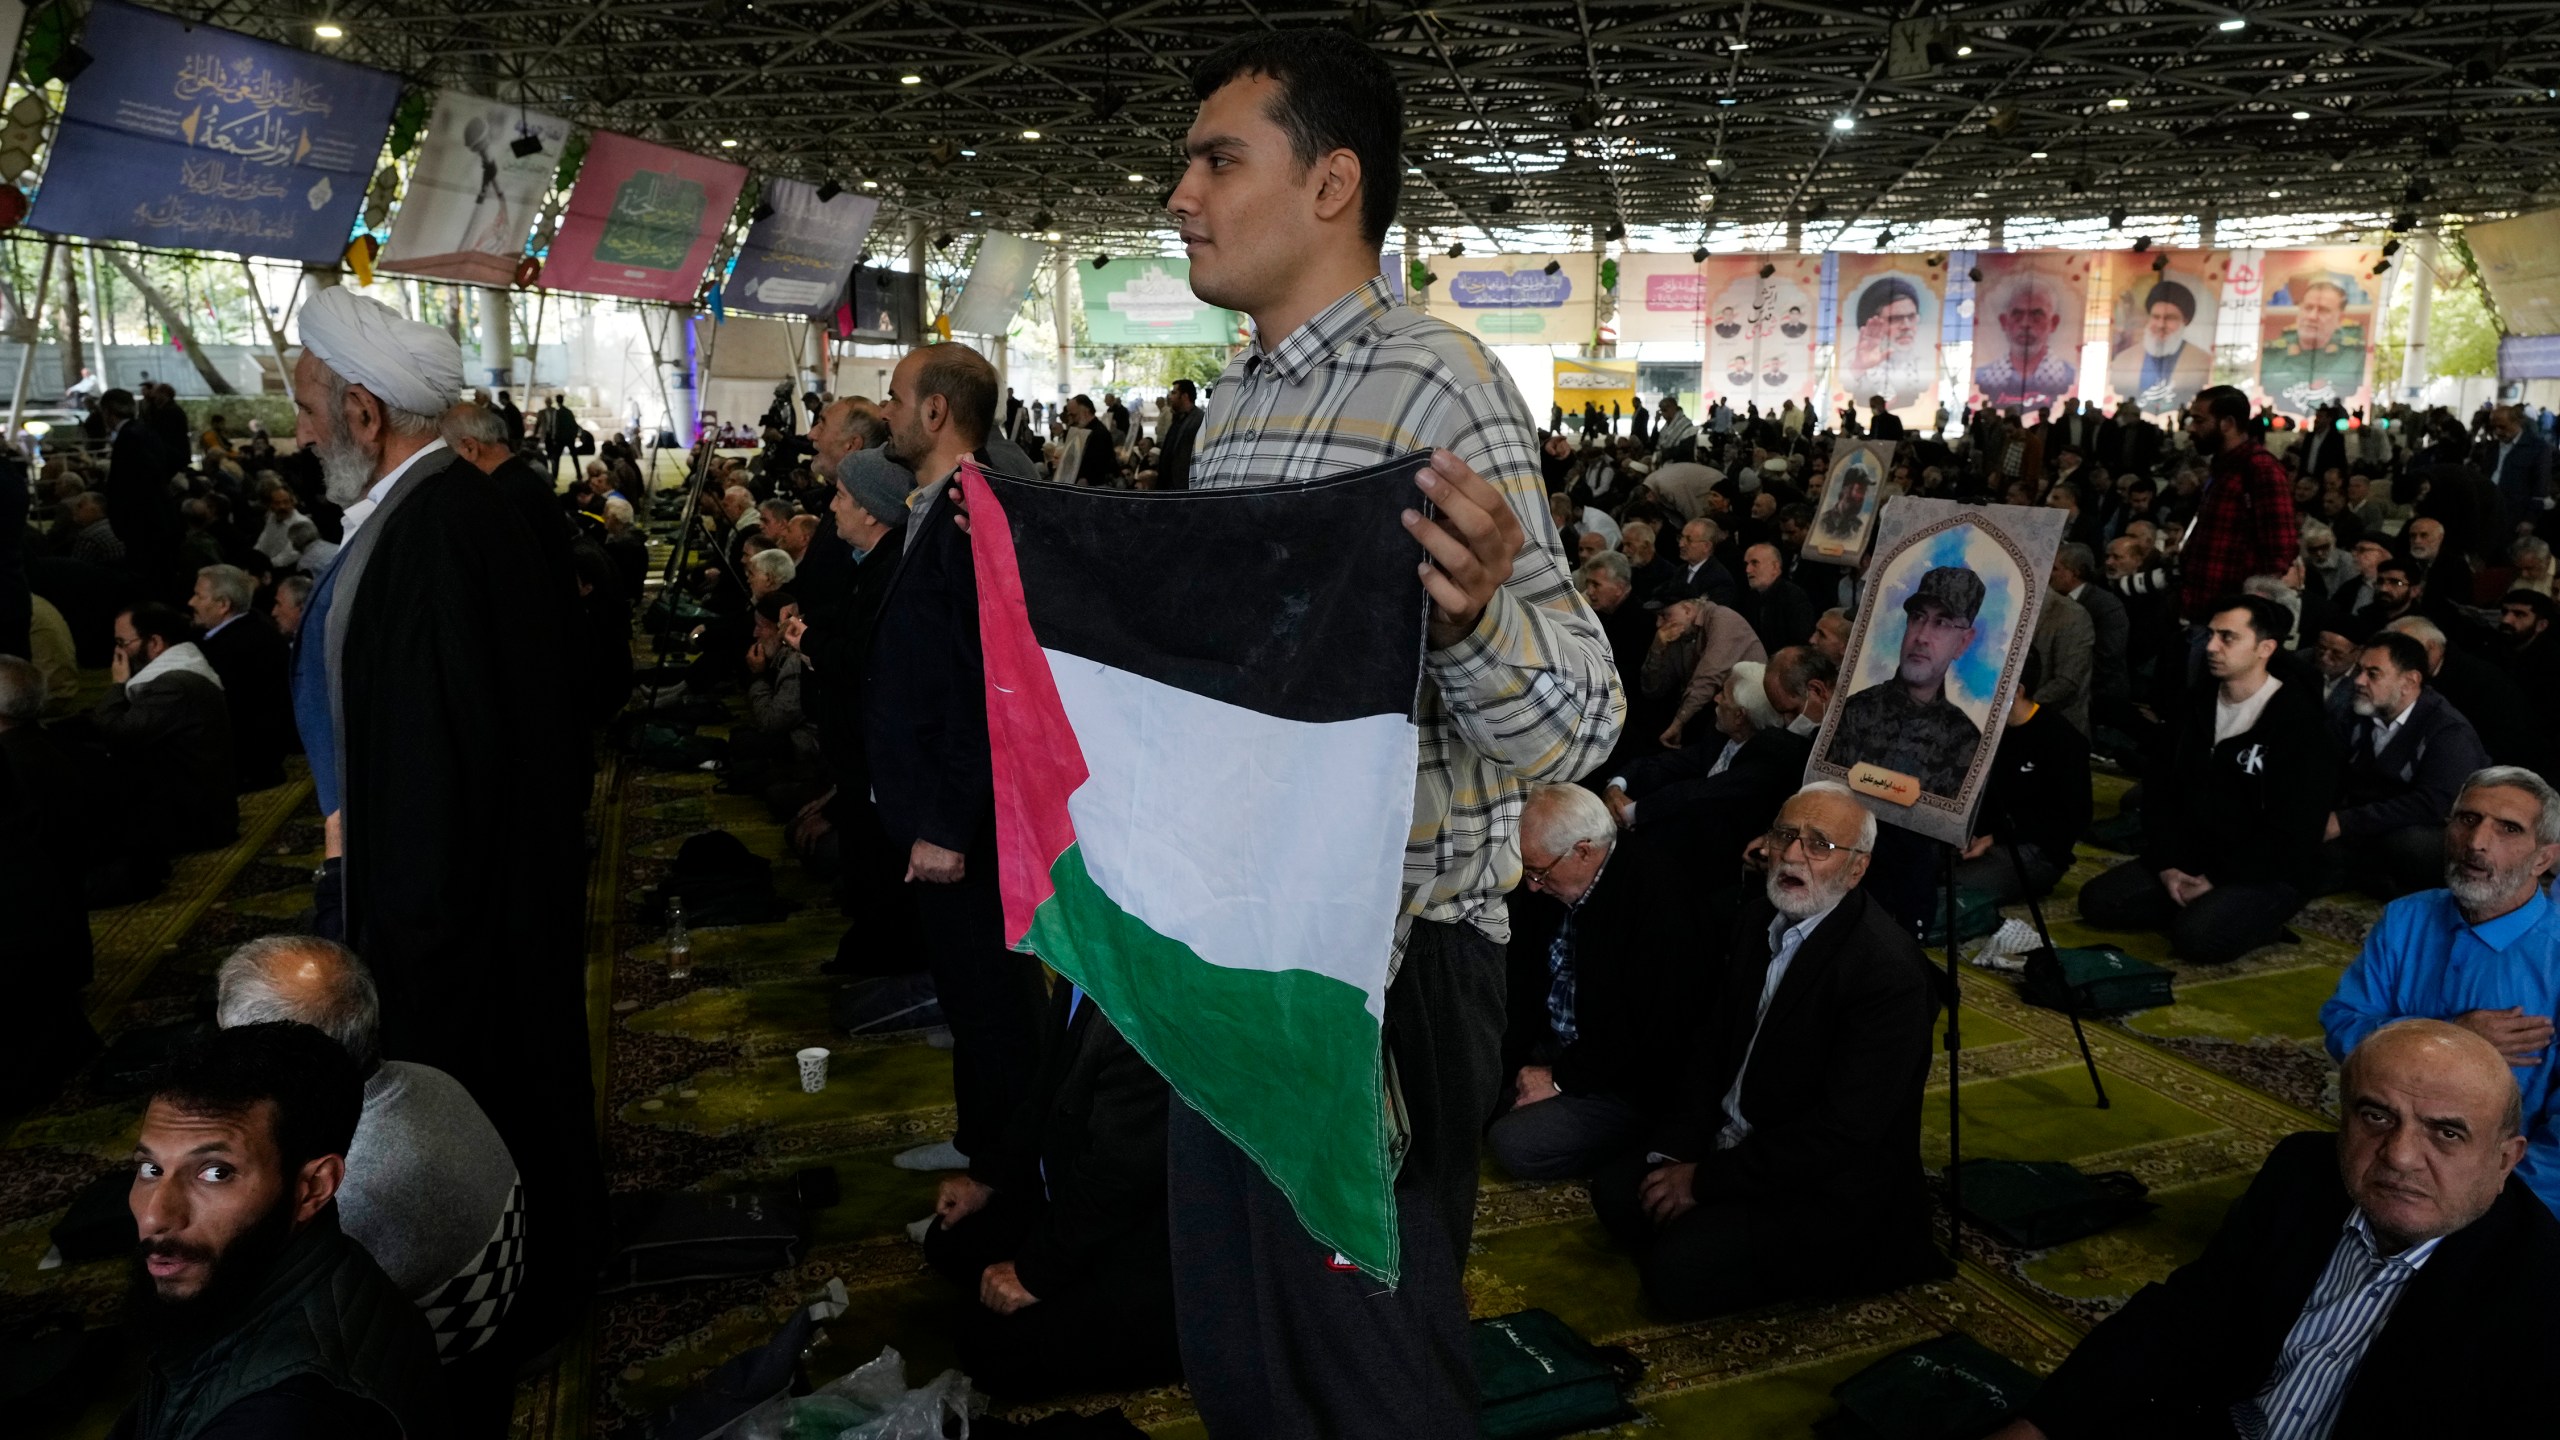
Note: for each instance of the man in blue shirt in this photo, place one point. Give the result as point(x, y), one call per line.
point(2483, 953)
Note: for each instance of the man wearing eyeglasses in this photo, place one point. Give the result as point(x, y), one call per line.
point(1791, 1166)
point(1907, 724)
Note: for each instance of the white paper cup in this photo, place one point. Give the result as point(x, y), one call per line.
point(813, 1069)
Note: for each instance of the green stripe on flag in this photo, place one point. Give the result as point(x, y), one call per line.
point(1284, 1062)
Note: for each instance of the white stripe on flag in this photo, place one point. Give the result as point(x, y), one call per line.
point(1260, 843)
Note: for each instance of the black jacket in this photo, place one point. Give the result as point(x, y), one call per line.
point(1713, 581)
point(1832, 1093)
point(1781, 615)
point(1092, 1134)
point(1675, 795)
point(841, 623)
point(2414, 779)
point(2254, 807)
point(2496, 707)
point(254, 664)
point(171, 740)
point(2174, 1360)
point(1178, 434)
point(1639, 974)
point(2038, 793)
point(924, 700)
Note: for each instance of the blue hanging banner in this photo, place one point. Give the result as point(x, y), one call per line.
point(794, 261)
point(195, 138)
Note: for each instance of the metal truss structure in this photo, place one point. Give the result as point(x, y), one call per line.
point(1569, 116)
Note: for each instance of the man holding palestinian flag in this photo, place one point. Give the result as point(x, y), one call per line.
point(1263, 812)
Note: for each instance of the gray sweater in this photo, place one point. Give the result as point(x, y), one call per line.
point(427, 1177)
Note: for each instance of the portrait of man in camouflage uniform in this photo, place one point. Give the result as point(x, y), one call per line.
point(1907, 724)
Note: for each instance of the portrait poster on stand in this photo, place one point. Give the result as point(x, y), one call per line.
point(2166, 307)
point(1887, 339)
point(642, 221)
point(2029, 310)
point(1759, 329)
point(1850, 496)
point(472, 198)
point(2317, 328)
point(1932, 662)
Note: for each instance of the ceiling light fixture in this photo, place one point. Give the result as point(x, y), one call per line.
point(2118, 102)
point(1727, 100)
point(2301, 114)
point(2035, 154)
point(1030, 134)
point(327, 30)
point(968, 154)
point(1053, 237)
point(1714, 164)
point(1963, 50)
point(728, 144)
point(2234, 23)
point(910, 79)
point(870, 184)
point(2275, 194)
point(1137, 179)
point(1844, 123)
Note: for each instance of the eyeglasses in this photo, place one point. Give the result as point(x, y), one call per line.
point(1783, 838)
point(1537, 874)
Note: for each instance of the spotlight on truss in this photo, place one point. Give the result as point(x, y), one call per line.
point(526, 145)
point(1553, 266)
point(829, 191)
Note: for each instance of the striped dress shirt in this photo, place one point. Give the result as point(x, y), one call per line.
point(1531, 694)
point(2348, 1307)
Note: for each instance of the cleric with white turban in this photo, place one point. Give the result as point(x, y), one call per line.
point(409, 371)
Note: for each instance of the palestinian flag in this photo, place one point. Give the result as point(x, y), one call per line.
point(1201, 710)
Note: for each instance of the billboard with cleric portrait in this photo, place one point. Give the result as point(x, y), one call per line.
point(2161, 324)
point(2028, 310)
point(2317, 327)
point(1887, 340)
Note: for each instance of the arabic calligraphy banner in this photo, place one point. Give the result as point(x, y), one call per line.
point(999, 281)
point(795, 260)
point(642, 221)
point(1609, 384)
point(1660, 297)
point(1149, 302)
point(197, 138)
point(472, 199)
point(1512, 300)
point(1760, 328)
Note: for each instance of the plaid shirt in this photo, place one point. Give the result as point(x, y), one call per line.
point(2244, 526)
point(1532, 693)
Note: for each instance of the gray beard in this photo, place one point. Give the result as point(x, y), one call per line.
point(2473, 895)
point(346, 469)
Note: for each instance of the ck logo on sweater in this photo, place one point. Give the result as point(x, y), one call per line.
point(2253, 761)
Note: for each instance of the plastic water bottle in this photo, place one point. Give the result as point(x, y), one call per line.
point(679, 942)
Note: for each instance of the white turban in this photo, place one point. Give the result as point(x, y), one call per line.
point(409, 366)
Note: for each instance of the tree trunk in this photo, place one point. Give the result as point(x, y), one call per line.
point(273, 322)
point(174, 323)
point(67, 325)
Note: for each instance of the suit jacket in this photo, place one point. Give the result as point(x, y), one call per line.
point(2174, 1360)
point(2524, 481)
point(2414, 779)
point(173, 739)
point(924, 699)
point(1712, 582)
point(1781, 615)
point(2496, 706)
point(838, 644)
point(1832, 1092)
point(2110, 680)
point(254, 665)
point(1173, 456)
point(1092, 1134)
point(1639, 979)
point(2066, 640)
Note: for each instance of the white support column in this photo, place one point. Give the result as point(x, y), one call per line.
point(1062, 279)
point(497, 342)
point(2420, 257)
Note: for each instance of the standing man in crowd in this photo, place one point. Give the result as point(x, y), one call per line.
point(1293, 180)
point(1178, 437)
point(2244, 522)
point(426, 690)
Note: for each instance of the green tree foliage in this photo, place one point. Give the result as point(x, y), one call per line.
point(2461, 338)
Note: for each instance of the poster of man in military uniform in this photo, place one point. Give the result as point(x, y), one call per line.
point(1933, 656)
point(1850, 497)
point(2316, 329)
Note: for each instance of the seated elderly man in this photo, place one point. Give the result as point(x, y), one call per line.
point(2482, 953)
point(1695, 644)
point(1790, 1165)
point(1751, 773)
point(2408, 752)
point(430, 1191)
point(1598, 994)
point(263, 1317)
point(1607, 580)
point(2509, 729)
point(168, 729)
point(255, 668)
point(2355, 1269)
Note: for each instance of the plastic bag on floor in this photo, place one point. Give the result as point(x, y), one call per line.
point(901, 1413)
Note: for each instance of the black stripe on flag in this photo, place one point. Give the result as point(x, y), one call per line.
point(1302, 601)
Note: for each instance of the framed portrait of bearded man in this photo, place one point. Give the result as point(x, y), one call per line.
point(2166, 309)
point(1850, 496)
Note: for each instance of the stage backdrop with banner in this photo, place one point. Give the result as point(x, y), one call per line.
point(1759, 328)
point(1149, 302)
point(642, 221)
point(195, 138)
point(999, 281)
point(1595, 382)
point(1512, 300)
point(2028, 313)
point(2163, 313)
point(472, 199)
point(1887, 340)
point(2317, 328)
point(795, 260)
point(2520, 267)
point(1660, 297)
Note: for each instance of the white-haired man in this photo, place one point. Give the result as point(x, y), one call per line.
point(1791, 1164)
point(444, 750)
point(2483, 952)
point(252, 659)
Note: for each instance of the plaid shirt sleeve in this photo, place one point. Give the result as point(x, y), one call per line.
point(2244, 526)
point(1533, 687)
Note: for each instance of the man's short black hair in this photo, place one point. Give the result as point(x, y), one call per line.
point(313, 1081)
point(2544, 608)
point(2226, 402)
point(774, 603)
point(2410, 570)
point(1335, 93)
point(2267, 619)
point(966, 382)
point(1185, 386)
point(151, 619)
point(2405, 651)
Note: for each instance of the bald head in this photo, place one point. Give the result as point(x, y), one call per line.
point(308, 980)
point(2433, 1126)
